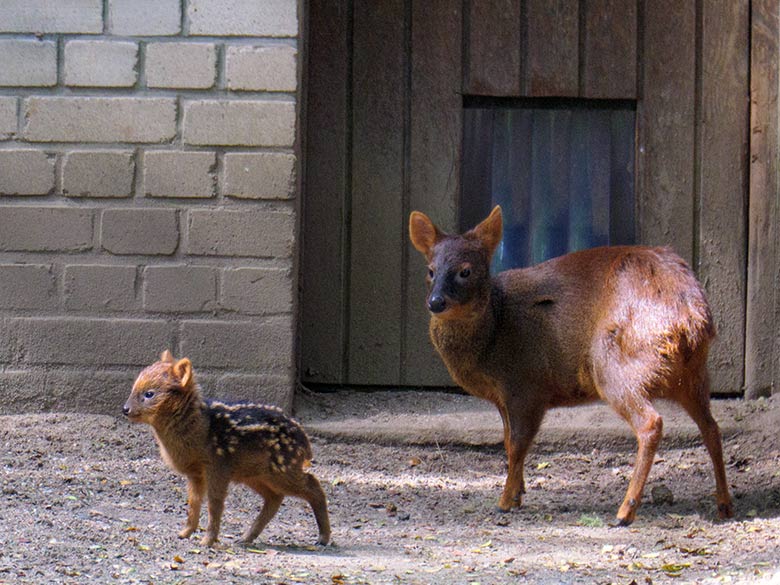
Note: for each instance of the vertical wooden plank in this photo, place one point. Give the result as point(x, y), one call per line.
point(323, 285)
point(436, 114)
point(379, 71)
point(666, 126)
point(609, 46)
point(494, 42)
point(722, 167)
point(552, 66)
point(761, 344)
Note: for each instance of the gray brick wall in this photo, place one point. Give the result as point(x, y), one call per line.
point(26, 172)
point(180, 174)
point(8, 117)
point(123, 120)
point(98, 173)
point(28, 62)
point(181, 65)
point(100, 63)
point(148, 197)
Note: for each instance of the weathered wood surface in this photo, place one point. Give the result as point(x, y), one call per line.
point(377, 234)
point(552, 57)
point(609, 55)
point(324, 232)
point(761, 342)
point(665, 164)
point(494, 43)
point(722, 138)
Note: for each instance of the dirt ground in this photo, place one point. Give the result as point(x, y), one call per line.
point(86, 499)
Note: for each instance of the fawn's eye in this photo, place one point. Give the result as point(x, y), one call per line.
point(149, 394)
point(465, 273)
point(430, 272)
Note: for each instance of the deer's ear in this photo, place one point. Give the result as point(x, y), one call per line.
point(167, 356)
point(490, 230)
point(423, 233)
point(183, 371)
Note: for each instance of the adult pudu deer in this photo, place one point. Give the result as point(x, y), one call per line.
point(624, 324)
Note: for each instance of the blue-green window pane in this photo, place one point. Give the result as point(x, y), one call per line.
point(564, 177)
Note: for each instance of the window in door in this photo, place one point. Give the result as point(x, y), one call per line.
point(562, 171)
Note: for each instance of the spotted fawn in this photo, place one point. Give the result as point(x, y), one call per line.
point(213, 444)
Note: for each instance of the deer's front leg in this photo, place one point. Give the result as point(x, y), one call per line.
point(520, 428)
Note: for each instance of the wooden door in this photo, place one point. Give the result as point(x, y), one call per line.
point(386, 85)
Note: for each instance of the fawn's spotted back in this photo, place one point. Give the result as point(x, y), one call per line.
point(238, 429)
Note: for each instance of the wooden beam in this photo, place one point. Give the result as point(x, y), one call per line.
point(722, 181)
point(552, 60)
point(666, 117)
point(494, 45)
point(609, 59)
point(761, 343)
point(323, 274)
point(377, 242)
point(436, 113)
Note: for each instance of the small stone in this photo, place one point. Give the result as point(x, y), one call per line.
point(662, 495)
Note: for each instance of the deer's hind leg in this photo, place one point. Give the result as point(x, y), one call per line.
point(697, 404)
point(621, 382)
point(647, 425)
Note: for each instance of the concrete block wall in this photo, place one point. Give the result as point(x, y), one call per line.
point(148, 197)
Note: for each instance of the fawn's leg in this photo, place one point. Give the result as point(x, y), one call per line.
point(305, 486)
point(521, 423)
point(271, 503)
point(196, 487)
point(697, 406)
point(217, 488)
point(319, 504)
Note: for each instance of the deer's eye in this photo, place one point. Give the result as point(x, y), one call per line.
point(465, 273)
point(149, 394)
point(430, 272)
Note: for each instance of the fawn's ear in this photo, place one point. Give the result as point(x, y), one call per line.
point(490, 230)
point(167, 356)
point(183, 370)
point(423, 233)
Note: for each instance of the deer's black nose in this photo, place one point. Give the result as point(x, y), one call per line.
point(436, 304)
point(126, 410)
